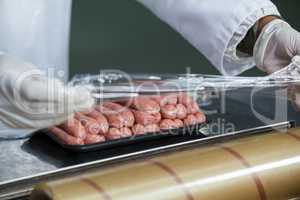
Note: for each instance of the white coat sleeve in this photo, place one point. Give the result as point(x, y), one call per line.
point(214, 27)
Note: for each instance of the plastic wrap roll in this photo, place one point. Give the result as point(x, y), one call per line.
point(257, 167)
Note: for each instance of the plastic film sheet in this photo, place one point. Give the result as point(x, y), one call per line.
point(255, 167)
point(118, 85)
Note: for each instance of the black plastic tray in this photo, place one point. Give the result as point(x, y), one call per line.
point(185, 131)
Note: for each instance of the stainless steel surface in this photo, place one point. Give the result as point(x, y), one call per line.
point(139, 154)
point(152, 151)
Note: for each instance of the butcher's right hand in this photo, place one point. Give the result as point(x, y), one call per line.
point(31, 100)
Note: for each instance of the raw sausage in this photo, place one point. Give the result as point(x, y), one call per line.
point(145, 118)
point(178, 111)
point(66, 137)
point(167, 124)
point(145, 104)
point(90, 124)
point(117, 115)
point(138, 129)
point(190, 120)
point(115, 121)
point(114, 134)
point(119, 109)
point(128, 118)
point(152, 128)
point(200, 117)
point(158, 118)
point(93, 139)
point(169, 112)
point(74, 128)
point(184, 99)
point(181, 111)
point(102, 121)
point(191, 105)
point(126, 132)
point(179, 123)
point(112, 121)
point(114, 107)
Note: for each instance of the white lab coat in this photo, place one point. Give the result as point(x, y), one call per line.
point(37, 31)
point(214, 27)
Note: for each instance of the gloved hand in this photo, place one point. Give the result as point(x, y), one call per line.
point(276, 47)
point(277, 44)
point(31, 100)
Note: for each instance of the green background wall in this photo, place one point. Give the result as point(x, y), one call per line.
point(122, 34)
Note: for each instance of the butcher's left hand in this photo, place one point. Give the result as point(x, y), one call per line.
point(277, 44)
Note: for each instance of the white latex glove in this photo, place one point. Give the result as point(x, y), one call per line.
point(276, 47)
point(277, 44)
point(31, 100)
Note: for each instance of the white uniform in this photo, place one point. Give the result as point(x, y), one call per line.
point(37, 31)
point(214, 27)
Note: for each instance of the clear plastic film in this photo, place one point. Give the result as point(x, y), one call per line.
point(130, 107)
point(116, 84)
point(258, 167)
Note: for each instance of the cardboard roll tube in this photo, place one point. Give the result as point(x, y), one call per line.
point(260, 167)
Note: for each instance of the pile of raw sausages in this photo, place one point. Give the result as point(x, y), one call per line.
point(142, 115)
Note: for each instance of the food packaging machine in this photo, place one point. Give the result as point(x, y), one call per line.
point(260, 166)
point(254, 161)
